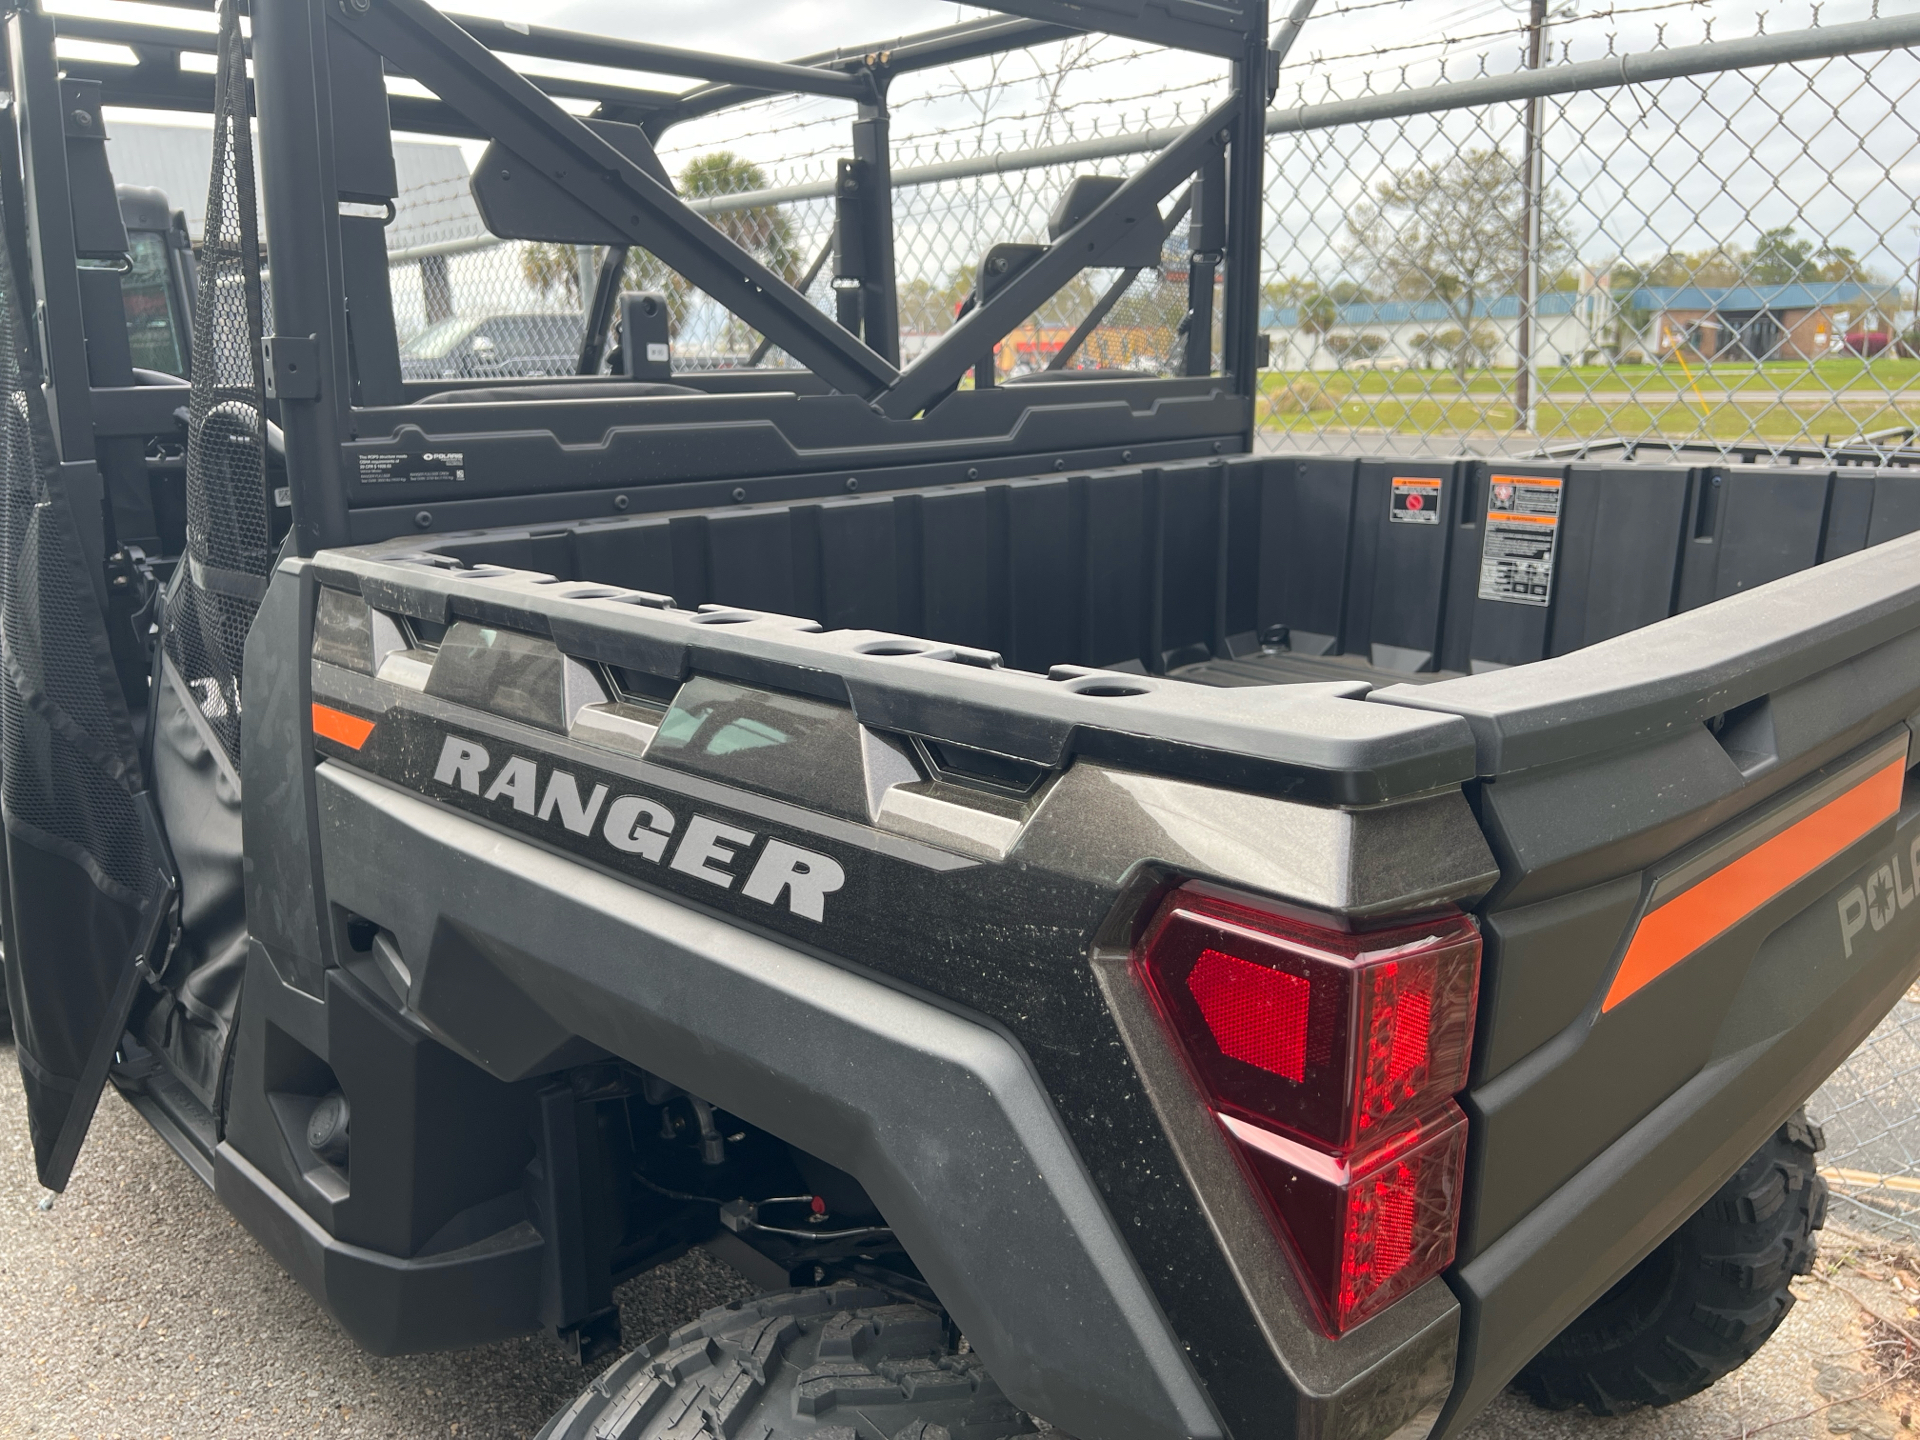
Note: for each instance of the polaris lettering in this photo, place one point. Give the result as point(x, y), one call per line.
point(1886, 893)
point(710, 849)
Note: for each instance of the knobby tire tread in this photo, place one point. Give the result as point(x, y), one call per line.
point(843, 1362)
point(1705, 1301)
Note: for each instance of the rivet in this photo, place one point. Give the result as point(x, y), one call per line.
point(424, 519)
point(973, 474)
point(621, 502)
point(853, 482)
point(739, 493)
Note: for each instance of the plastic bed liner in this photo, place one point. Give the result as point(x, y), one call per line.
point(1283, 667)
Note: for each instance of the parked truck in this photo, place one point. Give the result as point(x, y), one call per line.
point(1107, 922)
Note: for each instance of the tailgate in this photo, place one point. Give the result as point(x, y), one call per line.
point(1706, 831)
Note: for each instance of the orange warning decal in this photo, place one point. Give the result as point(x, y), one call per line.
point(1671, 933)
point(340, 727)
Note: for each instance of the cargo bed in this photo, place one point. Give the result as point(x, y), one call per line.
point(1250, 571)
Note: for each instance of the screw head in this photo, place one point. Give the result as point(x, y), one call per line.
point(973, 474)
point(621, 502)
point(1126, 457)
point(1218, 446)
point(83, 118)
point(739, 493)
point(853, 482)
point(423, 519)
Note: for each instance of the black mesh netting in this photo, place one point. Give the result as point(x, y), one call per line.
point(217, 589)
point(81, 889)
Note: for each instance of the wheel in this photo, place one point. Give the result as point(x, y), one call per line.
point(1698, 1307)
point(844, 1362)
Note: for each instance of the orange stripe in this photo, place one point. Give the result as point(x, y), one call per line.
point(1552, 482)
point(336, 725)
point(1670, 934)
point(1523, 519)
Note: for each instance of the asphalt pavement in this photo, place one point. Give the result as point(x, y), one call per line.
point(136, 1307)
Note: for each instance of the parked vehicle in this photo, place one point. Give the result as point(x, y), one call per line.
point(1108, 925)
point(495, 346)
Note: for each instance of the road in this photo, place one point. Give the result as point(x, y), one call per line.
point(1870, 1108)
point(135, 1307)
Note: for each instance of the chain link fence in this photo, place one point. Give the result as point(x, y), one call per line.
point(1722, 259)
point(1870, 1109)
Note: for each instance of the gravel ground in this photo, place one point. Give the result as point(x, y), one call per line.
point(136, 1308)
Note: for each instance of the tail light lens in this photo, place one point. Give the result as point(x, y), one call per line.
point(1331, 1058)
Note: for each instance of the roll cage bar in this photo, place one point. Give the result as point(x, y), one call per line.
point(324, 114)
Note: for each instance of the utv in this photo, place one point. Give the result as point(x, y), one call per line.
point(1111, 925)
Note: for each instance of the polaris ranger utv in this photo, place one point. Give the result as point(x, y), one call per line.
point(1108, 926)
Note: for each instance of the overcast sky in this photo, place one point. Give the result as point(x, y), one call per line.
point(741, 27)
point(1634, 164)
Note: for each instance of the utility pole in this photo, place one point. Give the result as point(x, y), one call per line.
point(1526, 382)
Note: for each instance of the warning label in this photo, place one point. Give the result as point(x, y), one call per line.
point(435, 466)
point(1522, 535)
point(1416, 500)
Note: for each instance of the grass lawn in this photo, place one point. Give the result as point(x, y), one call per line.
point(1726, 420)
point(1776, 401)
point(1841, 373)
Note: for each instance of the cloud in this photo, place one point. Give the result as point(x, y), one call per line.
point(754, 28)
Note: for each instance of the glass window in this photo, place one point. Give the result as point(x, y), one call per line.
point(154, 331)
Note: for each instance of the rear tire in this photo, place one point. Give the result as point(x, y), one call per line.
point(843, 1361)
point(1698, 1307)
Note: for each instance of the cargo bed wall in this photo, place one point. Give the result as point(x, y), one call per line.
point(1278, 560)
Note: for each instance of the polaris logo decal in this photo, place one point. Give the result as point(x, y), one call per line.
point(1886, 893)
point(710, 849)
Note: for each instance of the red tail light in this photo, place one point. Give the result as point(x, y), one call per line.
point(1331, 1058)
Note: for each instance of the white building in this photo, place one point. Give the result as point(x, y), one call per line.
point(1570, 328)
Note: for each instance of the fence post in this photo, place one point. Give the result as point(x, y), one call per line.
point(1526, 382)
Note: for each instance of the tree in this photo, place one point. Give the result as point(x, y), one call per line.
point(1454, 232)
point(549, 266)
point(762, 231)
point(1318, 315)
point(1839, 265)
point(1316, 311)
point(928, 307)
point(1780, 258)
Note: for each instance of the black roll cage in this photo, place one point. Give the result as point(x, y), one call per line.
point(852, 416)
